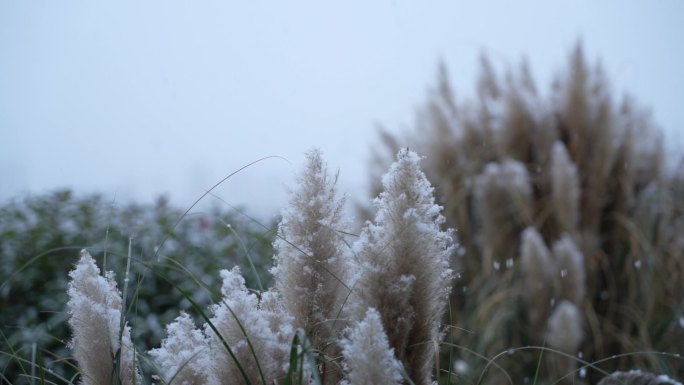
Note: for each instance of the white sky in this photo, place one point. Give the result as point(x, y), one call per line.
point(138, 98)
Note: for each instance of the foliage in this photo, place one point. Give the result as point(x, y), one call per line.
point(567, 218)
point(40, 237)
point(570, 262)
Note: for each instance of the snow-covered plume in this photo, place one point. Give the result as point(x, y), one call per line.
point(368, 358)
point(564, 330)
point(538, 268)
point(95, 319)
point(644, 143)
point(564, 333)
point(258, 335)
point(503, 196)
point(570, 267)
point(585, 107)
point(183, 357)
point(565, 188)
point(310, 266)
point(638, 377)
point(404, 266)
point(554, 289)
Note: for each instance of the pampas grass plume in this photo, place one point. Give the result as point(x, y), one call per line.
point(257, 342)
point(570, 268)
point(310, 264)
point(565, 328)
point(565, 193)
point(538, 269)
point(368, 358)
point(404, 266)
point(183, 357)
point(504, 198)
point(94, 308)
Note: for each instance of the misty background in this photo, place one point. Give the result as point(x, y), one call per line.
point(137, 99)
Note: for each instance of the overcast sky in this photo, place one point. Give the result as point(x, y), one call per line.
point(138, 98)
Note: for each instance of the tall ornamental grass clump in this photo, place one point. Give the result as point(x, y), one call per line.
point(311, 263)
point(569, 222)
point(338, 302)
point(404, 270)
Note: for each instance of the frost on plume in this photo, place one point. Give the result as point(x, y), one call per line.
point(368, 358)
point(538, 268)
point(503, 195)
point(94, 308)
point(404, 266)
point(570, 263)
point(258, 335)
point(565, 188)
point(565, 328)
point(311, 266)
point(564, 333)
point(183, 357)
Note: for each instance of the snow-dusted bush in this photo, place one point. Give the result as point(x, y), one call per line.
point(34, 230)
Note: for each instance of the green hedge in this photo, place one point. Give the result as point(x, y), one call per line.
point(40, 239)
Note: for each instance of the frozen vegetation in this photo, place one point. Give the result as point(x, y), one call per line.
point(539, 241)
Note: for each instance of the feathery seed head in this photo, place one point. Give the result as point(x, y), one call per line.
point(94, 307)
point(368, 358)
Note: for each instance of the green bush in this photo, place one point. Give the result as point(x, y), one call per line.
point(40, 238)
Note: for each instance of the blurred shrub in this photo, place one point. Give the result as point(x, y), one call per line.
point(571, 228)
point(40, 239)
